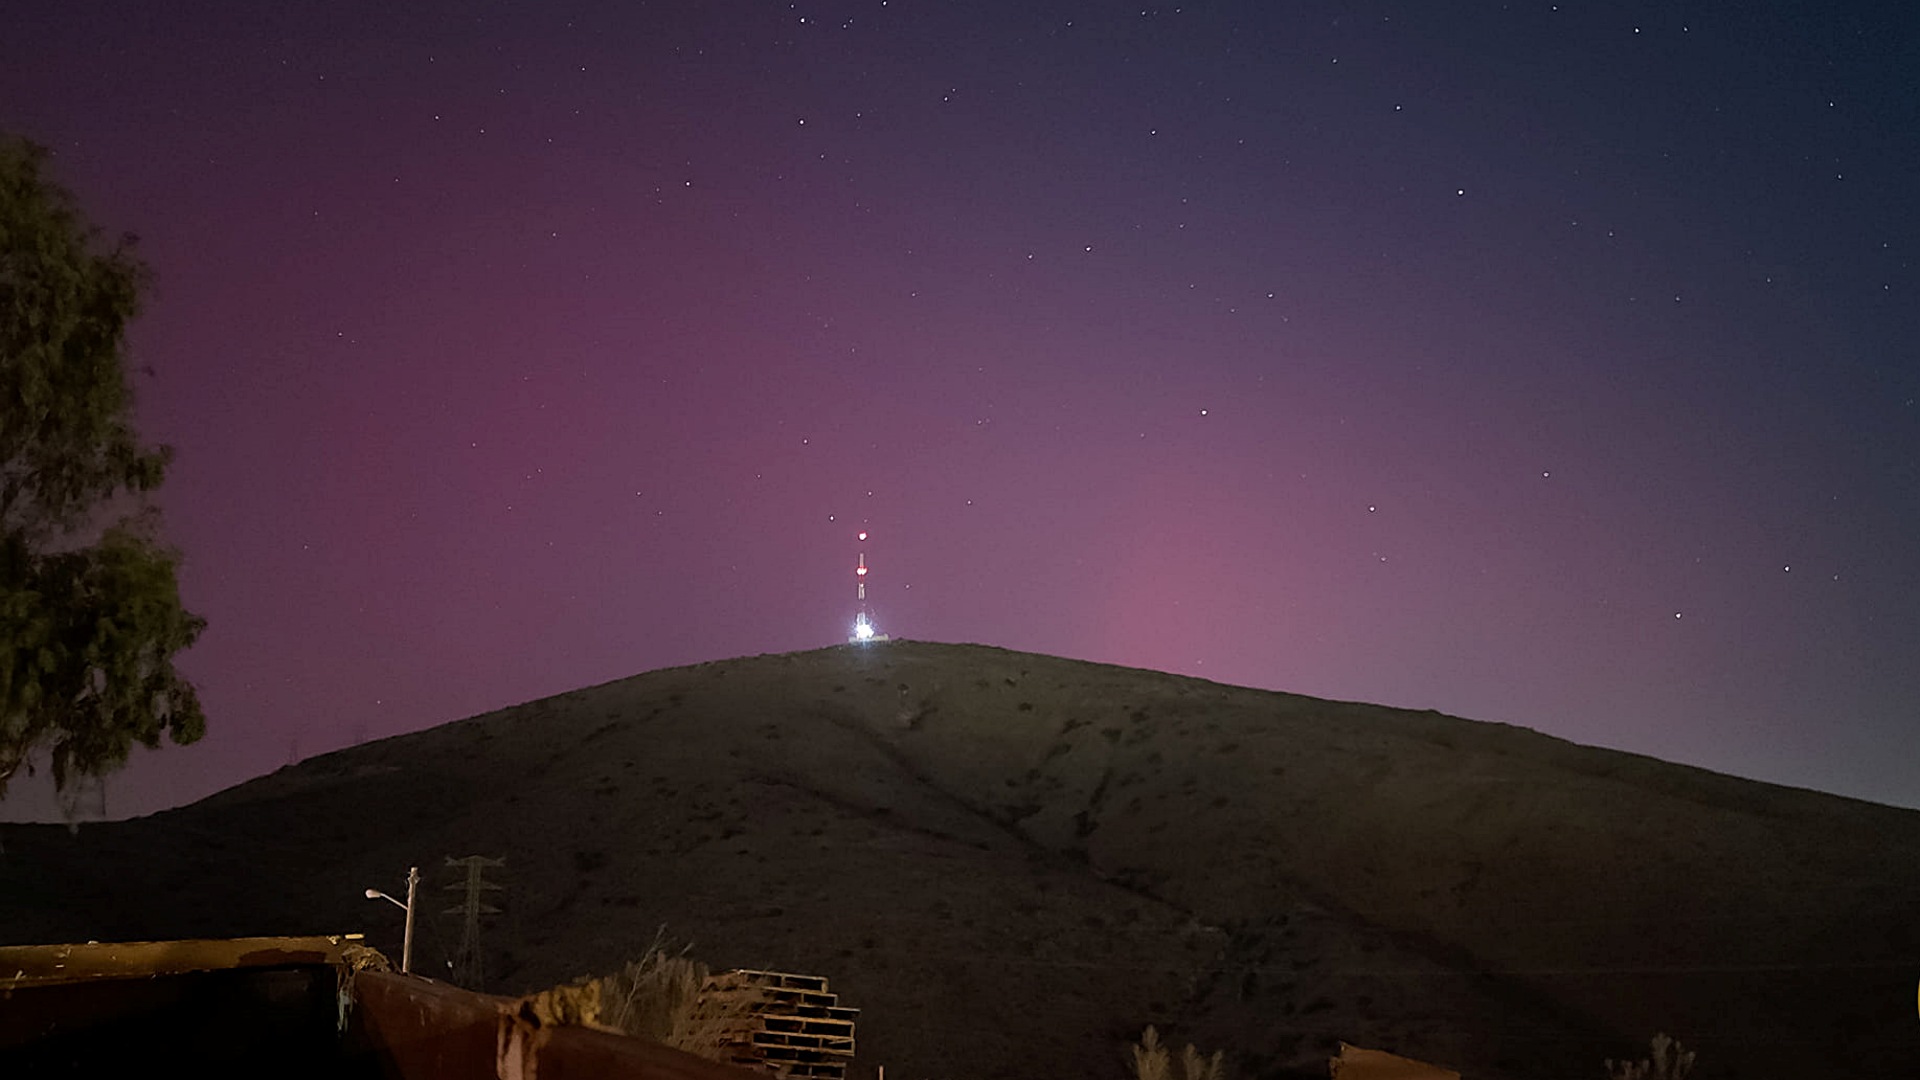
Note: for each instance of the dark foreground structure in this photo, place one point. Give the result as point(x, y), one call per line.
point(289, 1007)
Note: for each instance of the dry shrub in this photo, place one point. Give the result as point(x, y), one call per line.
point(659, 997)
point(1151, 1061)
point(1149, 1057)
point(1670, 1061)
point(1202, 1068)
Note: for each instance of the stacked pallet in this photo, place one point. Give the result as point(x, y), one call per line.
point(789, 1025)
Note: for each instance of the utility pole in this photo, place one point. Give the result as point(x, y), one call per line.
point(406, 943)
point(469, 968)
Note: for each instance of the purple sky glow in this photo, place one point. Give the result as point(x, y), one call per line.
point(1547, 364)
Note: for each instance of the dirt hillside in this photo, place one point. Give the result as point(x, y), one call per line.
point(1012, 863)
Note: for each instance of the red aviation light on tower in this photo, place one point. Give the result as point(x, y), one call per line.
point(863, 536)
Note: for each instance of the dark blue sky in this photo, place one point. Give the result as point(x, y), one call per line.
point(1549, 364)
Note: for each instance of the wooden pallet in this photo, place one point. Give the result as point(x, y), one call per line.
point(837, 1044)
point(772, 979)
point(792, 1025)
point(809, 1025)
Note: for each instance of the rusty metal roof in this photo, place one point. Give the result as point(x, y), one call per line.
point(23, 966)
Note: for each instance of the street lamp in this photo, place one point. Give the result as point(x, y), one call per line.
point(406, 942)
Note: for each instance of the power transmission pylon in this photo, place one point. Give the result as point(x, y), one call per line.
point(469, 966)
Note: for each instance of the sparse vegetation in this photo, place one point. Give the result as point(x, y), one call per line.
point(659, 997)
point(1670, 1061)
point(1149, 1057)
point(1152, 1060)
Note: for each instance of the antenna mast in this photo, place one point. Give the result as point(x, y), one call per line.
point(863, 628)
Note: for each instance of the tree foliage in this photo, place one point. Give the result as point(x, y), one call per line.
point(90, 613)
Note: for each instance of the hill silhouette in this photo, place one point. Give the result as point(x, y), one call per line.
point(1013, 863)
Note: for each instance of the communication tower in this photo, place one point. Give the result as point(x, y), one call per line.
point(863, 629)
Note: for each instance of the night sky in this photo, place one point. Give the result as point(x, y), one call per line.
point(1553, 364)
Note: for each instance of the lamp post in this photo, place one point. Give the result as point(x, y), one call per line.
point(406, 942)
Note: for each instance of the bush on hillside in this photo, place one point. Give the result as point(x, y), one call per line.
point(1670, 1061)
point(1151, 1061)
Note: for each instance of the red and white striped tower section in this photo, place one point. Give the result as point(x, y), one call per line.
point(863, 628)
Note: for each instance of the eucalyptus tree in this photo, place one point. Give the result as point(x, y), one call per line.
point(90, 613)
